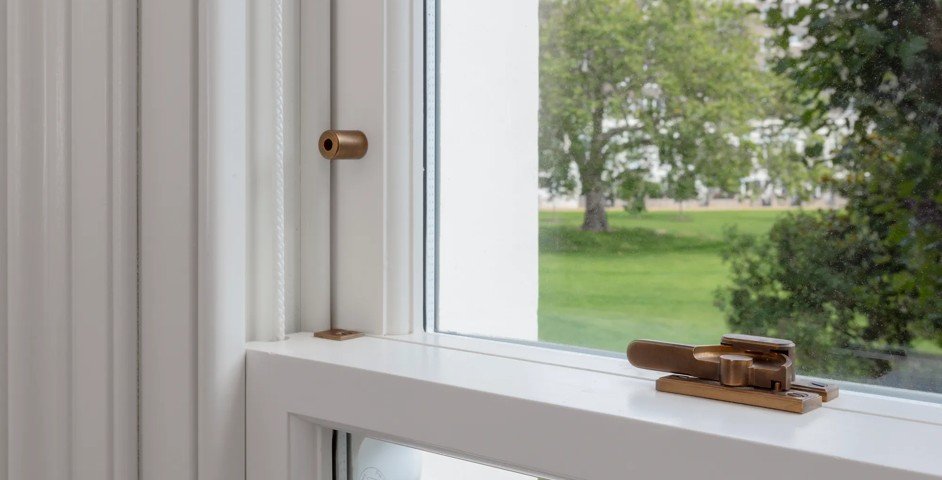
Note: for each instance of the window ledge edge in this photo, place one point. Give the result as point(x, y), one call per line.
point(540, 417)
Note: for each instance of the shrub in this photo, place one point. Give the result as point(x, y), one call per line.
point(824, 282)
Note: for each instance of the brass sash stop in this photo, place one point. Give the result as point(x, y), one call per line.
point(343, 144)
point(745, 369)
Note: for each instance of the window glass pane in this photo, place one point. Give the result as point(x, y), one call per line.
point(609, 170)
point(364, 458)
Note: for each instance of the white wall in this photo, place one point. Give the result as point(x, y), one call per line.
point(489, 94)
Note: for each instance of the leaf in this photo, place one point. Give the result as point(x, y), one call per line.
point(910, 50)
point(808, 115)
point(897, 233)
point(906, 188)
point(902, 281)
point(814, 150)
point(801, 13)
point(869, 36)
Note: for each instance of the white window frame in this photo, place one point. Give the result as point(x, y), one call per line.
point(538, 410)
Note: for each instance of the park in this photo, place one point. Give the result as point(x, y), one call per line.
point(652, 276)
point(655, 275)
point(746, 101)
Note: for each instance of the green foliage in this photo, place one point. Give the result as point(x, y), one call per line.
point(682, 186)
point(820, 281)
point(620, 241)
point(883, 63)
point(633, 189)
point(795, 173)
point(706, 224)
point(625, 82)
point(869, 75)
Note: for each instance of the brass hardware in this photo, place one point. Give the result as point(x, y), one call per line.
point(338, 334)
point(763, 369)
point(342, 144)
point(827, 391)
point(744, 369)
point(789, 400)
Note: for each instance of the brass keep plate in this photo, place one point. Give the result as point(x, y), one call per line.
point(338, 334)
point(789, 401)
point(827, 391)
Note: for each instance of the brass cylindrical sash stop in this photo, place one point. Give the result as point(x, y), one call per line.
point(342, 144)
point(734, 370)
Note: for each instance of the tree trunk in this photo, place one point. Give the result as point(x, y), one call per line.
point(591, 170)
point(596, 220)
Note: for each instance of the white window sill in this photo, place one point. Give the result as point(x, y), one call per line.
point(597, 419)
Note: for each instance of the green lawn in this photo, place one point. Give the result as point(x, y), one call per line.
point(653, 276)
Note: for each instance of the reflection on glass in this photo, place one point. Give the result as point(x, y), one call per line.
point(702, 167)
point(371, 459)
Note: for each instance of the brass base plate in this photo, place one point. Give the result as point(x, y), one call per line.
point(789, 401)
point(338, 334)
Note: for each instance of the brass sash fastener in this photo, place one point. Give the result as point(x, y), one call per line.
point(746, 369)
point(343, 144)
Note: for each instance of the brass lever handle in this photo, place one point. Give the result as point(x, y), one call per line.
point(743, 369)
point(755, 343)
point(676, 358)
point(343, 144)
point(734, 366)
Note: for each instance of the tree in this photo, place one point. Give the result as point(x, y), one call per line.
point(681, 186)
point(790, 170)
point(625, 84)
point(634, 188)
point(872, 71)
point(869, 74)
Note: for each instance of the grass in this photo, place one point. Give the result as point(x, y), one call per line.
point(653, 276)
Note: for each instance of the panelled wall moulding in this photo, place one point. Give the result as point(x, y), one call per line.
point(68, 255)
